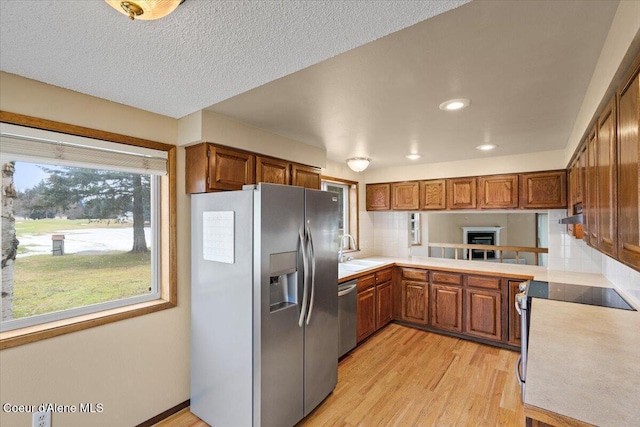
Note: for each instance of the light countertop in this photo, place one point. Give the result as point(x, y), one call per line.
point(524, 272)
point(584, 362)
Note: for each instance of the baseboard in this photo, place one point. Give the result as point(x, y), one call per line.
point(166, 414)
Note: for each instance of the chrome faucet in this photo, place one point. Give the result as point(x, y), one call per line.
point(353, 245)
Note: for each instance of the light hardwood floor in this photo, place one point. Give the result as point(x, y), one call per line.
point(406, 377)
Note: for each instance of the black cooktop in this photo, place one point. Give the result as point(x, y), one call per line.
point(592, 295)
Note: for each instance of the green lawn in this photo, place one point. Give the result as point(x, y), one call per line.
point(44, 283)
point(44, 226)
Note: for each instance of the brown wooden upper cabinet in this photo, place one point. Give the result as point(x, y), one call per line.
point(405, 196)
point(628, 172)
point(210, 167)
point(498, 192)
point(305, 176)
point(271, 170)
point(543, 190)
point(433, 194)
point(378, 197)
point(461, 193)
point(606, 180)
point(591, 206)
point(213, 168)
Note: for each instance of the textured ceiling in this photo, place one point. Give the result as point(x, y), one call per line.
point(525, 65)
point(203, 53)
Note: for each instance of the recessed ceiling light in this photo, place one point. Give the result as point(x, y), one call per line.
point(455, 104)
point(486, 147)
point(414, 156)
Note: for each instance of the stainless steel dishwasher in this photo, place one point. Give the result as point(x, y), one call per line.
point(347, 301)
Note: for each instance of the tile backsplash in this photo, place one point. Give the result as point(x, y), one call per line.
point(391, 234)
point(566, 253)
point(626, 279)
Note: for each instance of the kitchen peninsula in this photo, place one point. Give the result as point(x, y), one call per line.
point(584, 361)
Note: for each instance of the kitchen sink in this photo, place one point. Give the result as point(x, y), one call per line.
point(356, 265)
point(350, 267)
point(364, 262)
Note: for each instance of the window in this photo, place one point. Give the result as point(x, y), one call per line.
point(347, 192)
point(415, 237)
point(90, 227)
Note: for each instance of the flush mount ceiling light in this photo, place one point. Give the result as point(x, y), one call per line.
point(145, 10)
point(358, 164)
point(455, 104)
point(486, 147)
point(413, 156)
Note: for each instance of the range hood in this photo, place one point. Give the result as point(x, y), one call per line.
point(576, 218)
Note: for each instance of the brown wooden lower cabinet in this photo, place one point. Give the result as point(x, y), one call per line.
point(484, 314)
point(384, 304)
point(446, 307)
point(366, 313)
point(415, 297)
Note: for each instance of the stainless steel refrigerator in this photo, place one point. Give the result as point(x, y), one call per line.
point(264, 304)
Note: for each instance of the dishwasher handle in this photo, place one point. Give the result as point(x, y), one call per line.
point(347, 290)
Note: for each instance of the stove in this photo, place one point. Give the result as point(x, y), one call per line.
point(591, 295)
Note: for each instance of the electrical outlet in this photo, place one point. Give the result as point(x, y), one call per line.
point(42, 419)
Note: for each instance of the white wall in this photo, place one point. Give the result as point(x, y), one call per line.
point(530, 162)
point(624, 36)
point(137, 368)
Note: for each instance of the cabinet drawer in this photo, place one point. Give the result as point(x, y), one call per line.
point(483, 282)
point(366, 282)
point(450, 278)
point(383, 275)
point(414, 274)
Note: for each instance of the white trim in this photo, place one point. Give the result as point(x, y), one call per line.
point(465, 236)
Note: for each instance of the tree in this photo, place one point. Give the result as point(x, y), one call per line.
point(9, 241)
point(103, 195)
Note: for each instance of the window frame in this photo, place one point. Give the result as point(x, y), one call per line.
point(352, 213)
point(167, 277)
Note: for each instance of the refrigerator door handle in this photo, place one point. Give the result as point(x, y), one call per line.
point(305, 263)
point(313, 274)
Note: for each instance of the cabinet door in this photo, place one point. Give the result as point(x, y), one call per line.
point(305, 176)
point(514, 317)
point(433, 194)
point(378, 197)
point(483, 318)
point(591, 208)
point(606, 159)
point(461, 193)
point(580, 177)
point(628, 172)
point(498, 192)
point(415, 298)
point(405, 196)
point(230, 169)
point(571, 191)
point(543, 190)
point(366, 313)
point(197, 168)
point(273, 171)
point(384, 297)
point(446, 307)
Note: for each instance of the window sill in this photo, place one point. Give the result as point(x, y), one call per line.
point(43, 331)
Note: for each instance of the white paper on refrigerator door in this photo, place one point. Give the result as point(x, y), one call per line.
point(218, 236)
